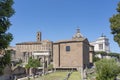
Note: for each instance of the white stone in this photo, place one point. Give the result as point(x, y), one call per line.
point(101, 44)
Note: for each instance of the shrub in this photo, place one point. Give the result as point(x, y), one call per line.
point(107, 69)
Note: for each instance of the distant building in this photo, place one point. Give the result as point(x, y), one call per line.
point(74, 53)
point(40, 49)
point(101, 44)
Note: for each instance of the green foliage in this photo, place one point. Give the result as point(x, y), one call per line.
point(115, 25)
point(96, 59)
point(27, 66)
point(101, 52)
point(57, 76)
point(4, 61)
point(6, 11)
point(50, 66)
point(33, 63)
point(118, 8)
point(75, 76)
point(114, 55)
point(107, 69)
point(6, 8)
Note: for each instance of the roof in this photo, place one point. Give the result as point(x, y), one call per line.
point(73, 40)
point(102, 37)
point(78, 37)
point(30, 43)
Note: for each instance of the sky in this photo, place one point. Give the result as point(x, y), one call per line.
point(59, 19)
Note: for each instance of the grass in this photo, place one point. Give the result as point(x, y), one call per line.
point(91, 76)
point(75, 76)
point(53, 76)
point(59, 76)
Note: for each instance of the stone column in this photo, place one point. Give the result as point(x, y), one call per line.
point(85, 74)
point(43, 65)
point(81, 71)
point(27, 57)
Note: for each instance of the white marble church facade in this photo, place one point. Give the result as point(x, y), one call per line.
point(101, 44)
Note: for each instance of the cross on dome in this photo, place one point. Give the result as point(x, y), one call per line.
point(78, 34)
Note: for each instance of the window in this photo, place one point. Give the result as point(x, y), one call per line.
point(38, 38)
point(67, 48)
point(100, 46)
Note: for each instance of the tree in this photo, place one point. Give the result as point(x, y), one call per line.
point(115, 25)
point(117, 55)
point(107, 69)
point(101, 52)
point(32, 63)
point(4, 61)
point(96, 59)
point(6, 11)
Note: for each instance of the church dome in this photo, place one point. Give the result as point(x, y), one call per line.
point(78, 34)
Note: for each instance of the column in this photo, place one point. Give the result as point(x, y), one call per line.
point(43, 65)
point(81, 70)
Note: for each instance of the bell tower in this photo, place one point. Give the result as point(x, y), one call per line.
point(38, 36)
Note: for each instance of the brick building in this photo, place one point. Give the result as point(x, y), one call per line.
point(74, 53)
point(39, 49)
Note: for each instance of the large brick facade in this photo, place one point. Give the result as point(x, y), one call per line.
point(76, 56)
point(30, 47)
point(38, 49)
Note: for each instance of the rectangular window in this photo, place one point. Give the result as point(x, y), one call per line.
point(67, 48)
point(100, 46)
